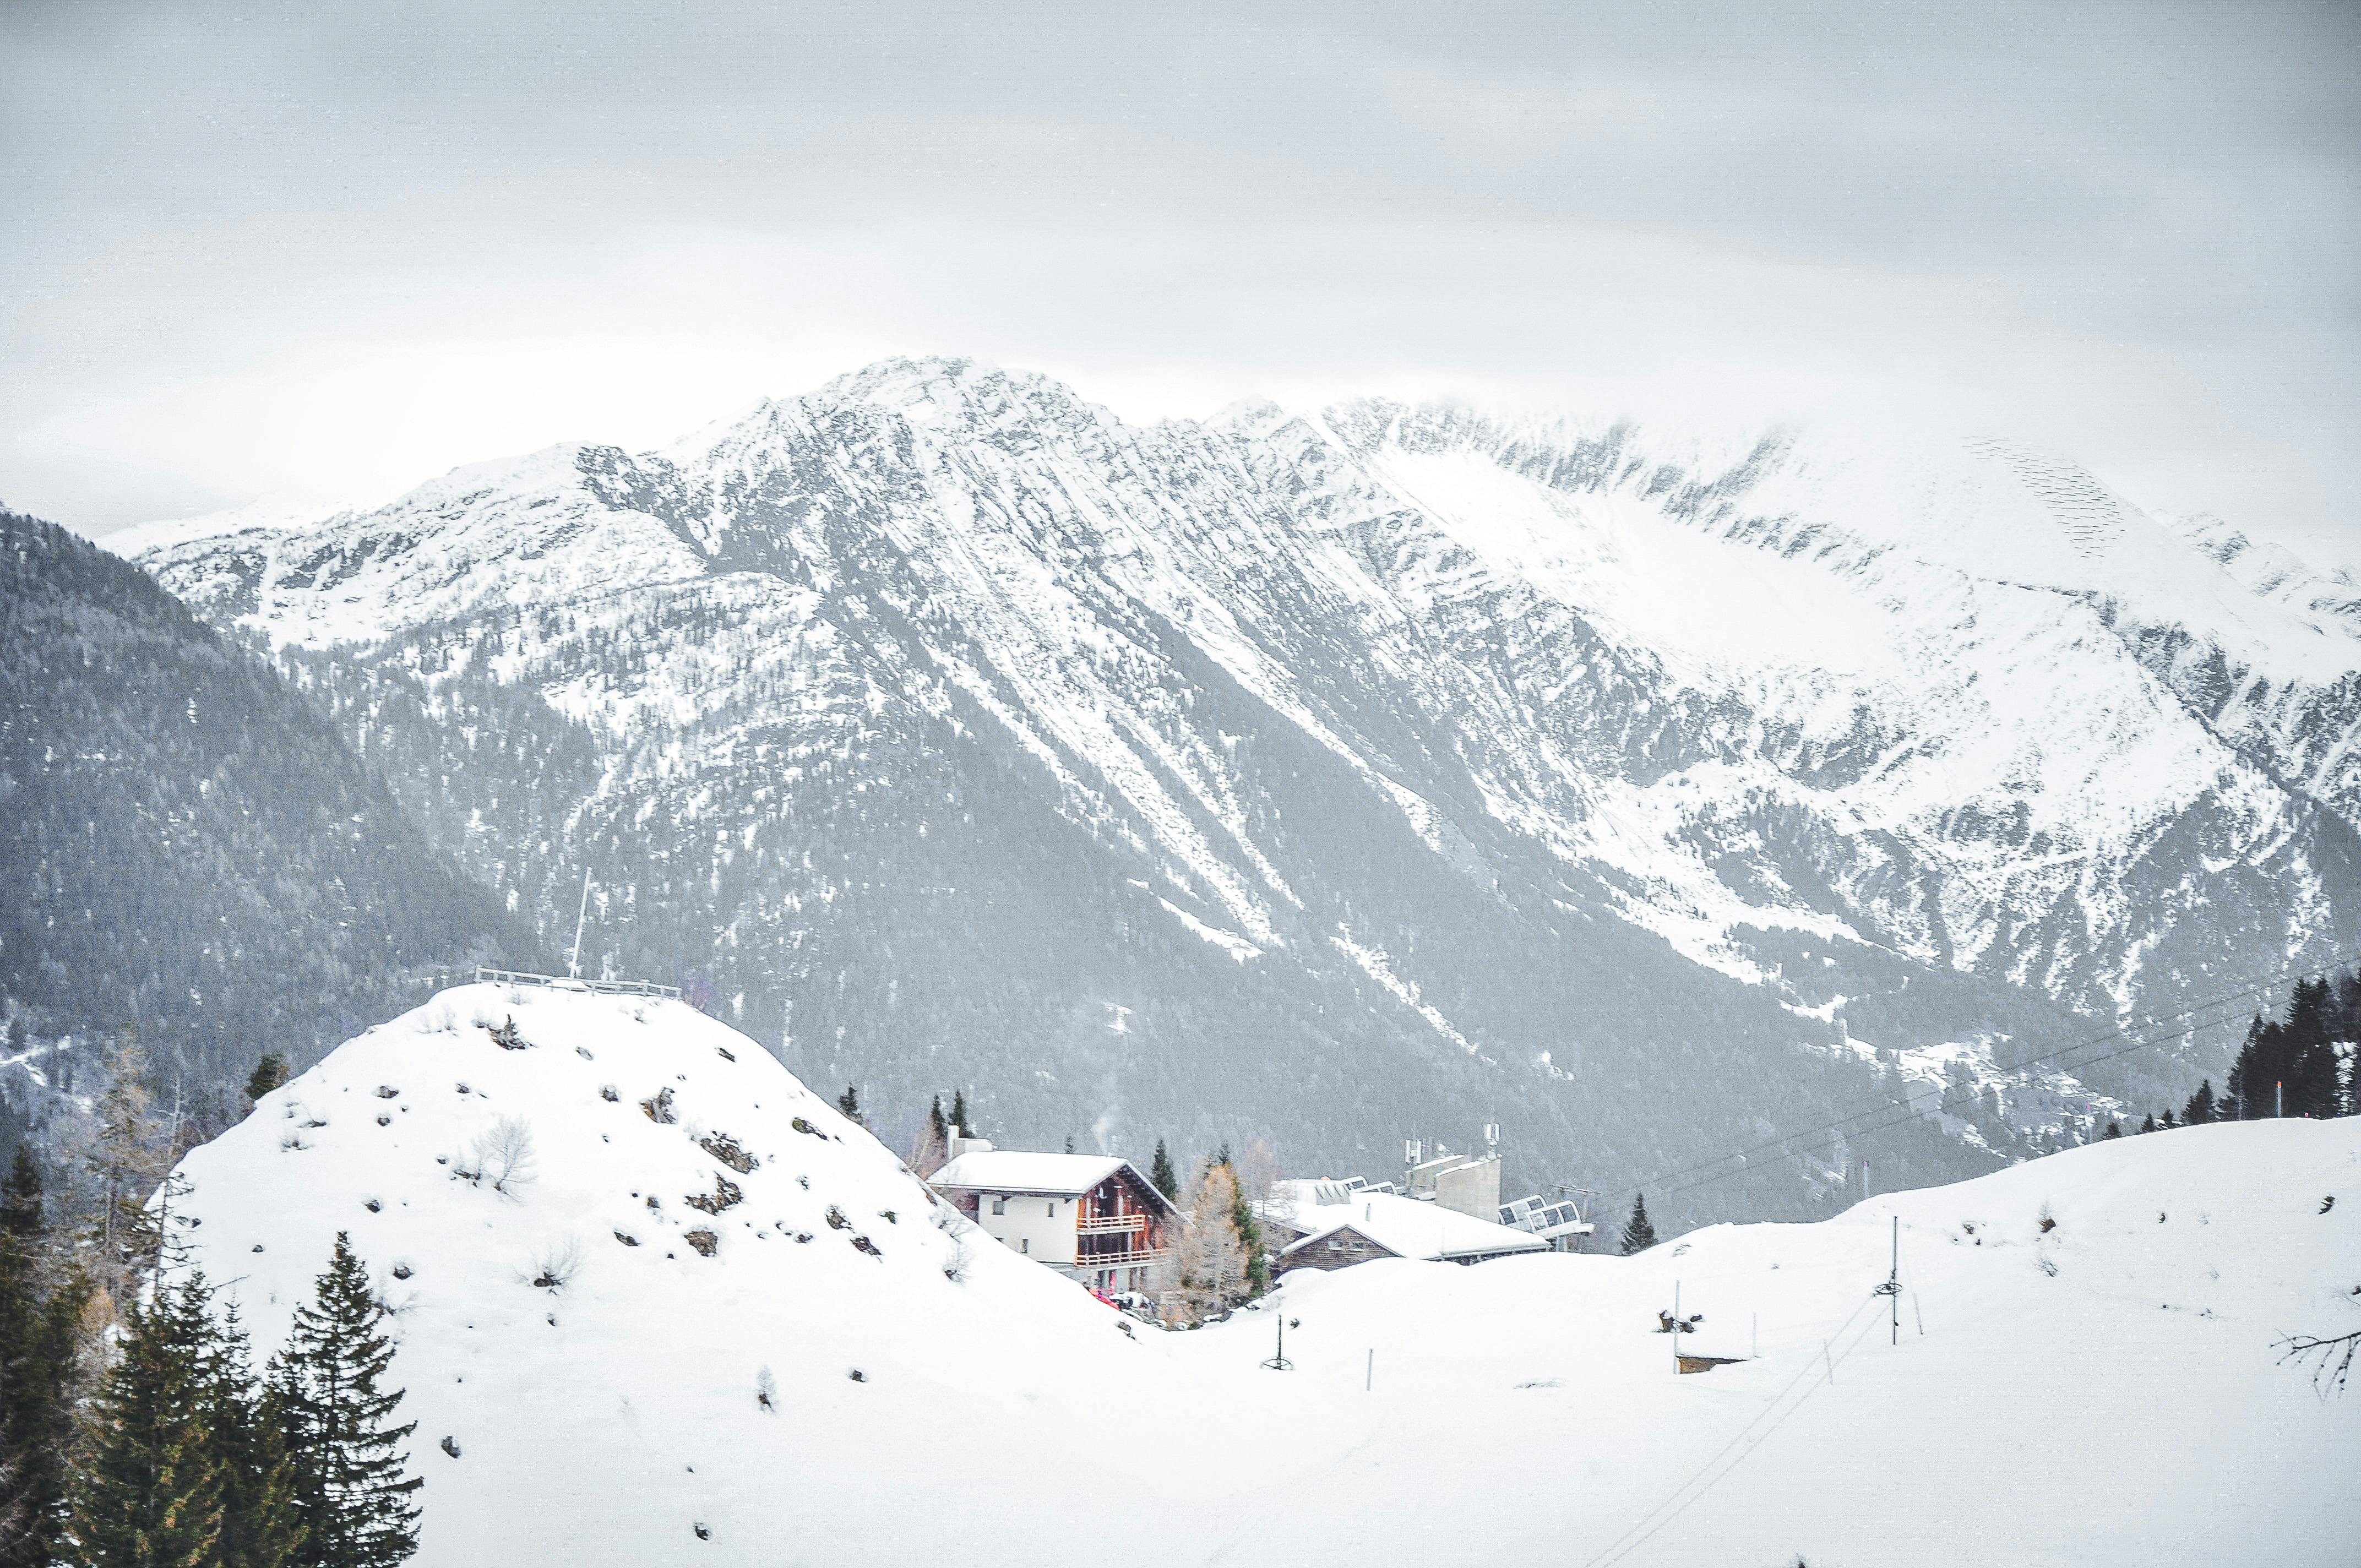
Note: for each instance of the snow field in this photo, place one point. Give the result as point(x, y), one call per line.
point(2099, 1393)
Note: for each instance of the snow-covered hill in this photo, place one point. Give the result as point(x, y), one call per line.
point(1317, 774)
point(2102, 1391)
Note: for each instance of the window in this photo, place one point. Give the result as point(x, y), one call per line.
point(1024, 1246)
point(1000, 1205)
point(1053, 1208)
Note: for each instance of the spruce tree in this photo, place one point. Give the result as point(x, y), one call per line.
point(149, 1494)
point(259, 1528)
point(1249, 1234)
point(936, 1125)
point(269, 1073)
point(2114, 1130)
point(1638, 1236)
point(352, 1497)
point(42, 1305)
point(849, 1103)
point(1167, 1180)
point(2201, 1105)
point(2147, 1123)
point(958, 1112)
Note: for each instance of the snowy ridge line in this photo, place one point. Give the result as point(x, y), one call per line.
point(1616, 1551)
point(1875, 1105)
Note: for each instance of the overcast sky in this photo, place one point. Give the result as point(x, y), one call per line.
point(334, 249)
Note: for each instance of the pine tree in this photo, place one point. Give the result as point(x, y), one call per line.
point(149, 1495)
point(2167, 1119)
point(849, 1103)
point(1249, 1234)
point(1070, 1143)
point(269, 1073)
point(259, 1527)
point(2200, 1108)
point(1167, 1180)
point(958, 1112)
point(2147, 1125)
point(1638, 1236)
point(40, 1318)
point(351, 1496)
point(2114, 1130)
point(937, 1126)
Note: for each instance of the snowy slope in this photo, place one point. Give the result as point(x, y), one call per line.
point(2074, 1397)
point(1503, 760)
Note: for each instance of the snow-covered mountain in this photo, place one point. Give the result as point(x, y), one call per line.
point(2086, 1344)
point(1345, 774)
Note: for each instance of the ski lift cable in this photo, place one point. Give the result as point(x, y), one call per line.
point(1617, 1550)
point(1808, 1369)
point(1914, 1115)
point(1876, 1103)
point(2051, 1057)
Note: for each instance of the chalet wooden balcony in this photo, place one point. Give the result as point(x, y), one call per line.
point(1105, 1224)
point(1135, 1258)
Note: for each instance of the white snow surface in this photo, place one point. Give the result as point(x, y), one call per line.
point(2102, 1393)
point(1026, 1170)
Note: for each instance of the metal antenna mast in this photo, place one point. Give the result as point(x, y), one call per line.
point(573, 964)
point(1892, 1289)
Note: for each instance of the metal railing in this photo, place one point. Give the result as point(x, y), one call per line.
point(603, 987)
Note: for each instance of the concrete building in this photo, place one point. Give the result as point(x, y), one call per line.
point(1091, 1217)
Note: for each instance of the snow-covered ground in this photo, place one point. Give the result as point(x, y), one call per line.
point(2100, 1392)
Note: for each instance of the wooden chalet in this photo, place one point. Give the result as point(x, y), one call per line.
point(1091, 1217)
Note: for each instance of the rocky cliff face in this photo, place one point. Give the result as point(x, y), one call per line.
point(1344, 776)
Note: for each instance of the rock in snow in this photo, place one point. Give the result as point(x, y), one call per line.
point(2102, 1391)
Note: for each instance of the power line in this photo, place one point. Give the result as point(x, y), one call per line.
point(1616, 1551)
point(1912, 1115)
point(1624, 1544)
point(2052, 1055)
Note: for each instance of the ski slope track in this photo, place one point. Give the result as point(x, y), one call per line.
point(1378, 765)
point(2102, 1391)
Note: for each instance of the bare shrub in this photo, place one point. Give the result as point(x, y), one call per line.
point(555, 1264)
point(504, 1155)
point(766, 1390)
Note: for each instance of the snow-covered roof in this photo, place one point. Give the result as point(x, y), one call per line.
point(1019, 1171)
point(1408, 1227)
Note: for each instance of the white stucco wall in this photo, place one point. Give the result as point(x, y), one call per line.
point(1046, 1224)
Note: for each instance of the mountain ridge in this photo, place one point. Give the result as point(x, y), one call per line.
point(1349, 694)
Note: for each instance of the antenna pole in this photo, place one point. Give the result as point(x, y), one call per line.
point(573, 964)
point(1677, 1325)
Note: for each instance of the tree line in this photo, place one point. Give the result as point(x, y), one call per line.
point(135, 1431)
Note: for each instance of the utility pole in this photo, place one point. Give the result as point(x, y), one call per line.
point(573, 964)
point(1892, 1289)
